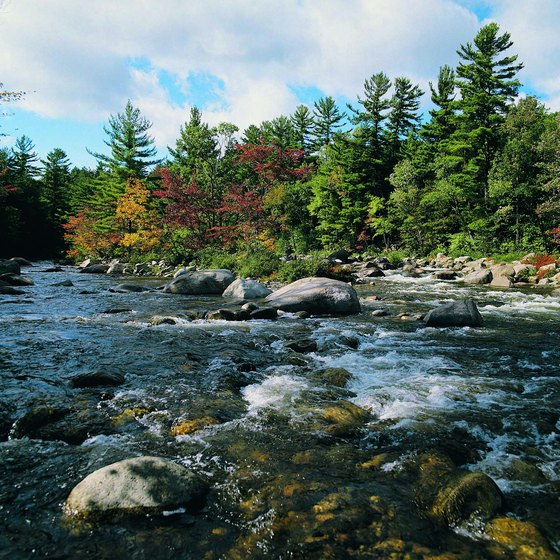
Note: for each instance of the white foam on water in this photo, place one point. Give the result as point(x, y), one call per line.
point(277, 392)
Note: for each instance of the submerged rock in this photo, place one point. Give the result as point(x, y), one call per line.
point(269, 313)
point(187, 427)
point(64, 283)
point(128, 288)
point(337, 376)
point(36, 418)
point(520, 537)
point(9, 267)
point(462, 313)
point(95, 269)
point(97, 379)
point(9, 291)
point(302, 346)
point(317, 296)
point(16, 279)
point(344, 418)
point(246, 289)
point(210, 282)
point(227, 315)
point(444, 275)
point(448, 495)
point(138, 486)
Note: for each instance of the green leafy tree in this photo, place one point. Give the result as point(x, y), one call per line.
point(514, 189)
point(548, 209)
point(340, 199)
point(374, 111)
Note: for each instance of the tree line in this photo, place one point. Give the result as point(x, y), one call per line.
point(479, 174)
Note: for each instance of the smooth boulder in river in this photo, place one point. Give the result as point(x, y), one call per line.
point(462, 313)
point(317, 296)
point(210, 282)
point(246, 289)
point(138, 486)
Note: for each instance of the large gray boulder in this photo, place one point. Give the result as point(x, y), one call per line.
point(462, 313)
point(246, 289)
point(317, 296)
point(138, 486)
point(210, 282)
point(482, 276)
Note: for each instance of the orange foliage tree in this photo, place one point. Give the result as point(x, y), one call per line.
point(84, 240)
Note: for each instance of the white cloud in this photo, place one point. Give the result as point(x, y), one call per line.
point(74, 55)
point(534, 26)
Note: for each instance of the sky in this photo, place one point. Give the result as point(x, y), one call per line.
point(241, 61)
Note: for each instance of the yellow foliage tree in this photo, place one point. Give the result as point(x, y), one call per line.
point(138, 223)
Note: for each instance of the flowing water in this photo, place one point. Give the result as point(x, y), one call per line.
point(287, 480)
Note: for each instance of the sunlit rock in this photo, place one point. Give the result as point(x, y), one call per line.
point(317, 296)
point(482, 276)
point(142, 485)
point(246, 289)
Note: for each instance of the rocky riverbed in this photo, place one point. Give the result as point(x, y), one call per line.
point(141, 423)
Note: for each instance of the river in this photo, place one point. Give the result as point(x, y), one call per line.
point(284, 482)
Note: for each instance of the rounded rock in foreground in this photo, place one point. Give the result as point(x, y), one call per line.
point(142, 485)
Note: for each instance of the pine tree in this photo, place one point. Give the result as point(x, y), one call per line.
point(327, 120)
point(486, 78)
point(56, 185)
point(132, 148)
point(302, 123)
point(375, 110)
point(404, 115)
point(194, 148)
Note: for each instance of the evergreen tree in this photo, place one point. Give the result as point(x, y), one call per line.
point(403, 117)
point(132, 148)
point(194, 148)
point(56, 185)
point(302, 124)
point(327, 119)
point(340, 199)
point(56, 195)
point(487, 82)
point(375, 107)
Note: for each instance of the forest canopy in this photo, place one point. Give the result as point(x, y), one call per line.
point(478, 174)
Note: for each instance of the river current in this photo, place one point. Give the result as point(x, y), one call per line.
point(284, 482)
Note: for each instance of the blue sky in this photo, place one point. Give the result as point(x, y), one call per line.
point(242, 62)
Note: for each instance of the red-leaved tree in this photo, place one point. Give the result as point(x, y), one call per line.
point(187, 210)
point(243, 215)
